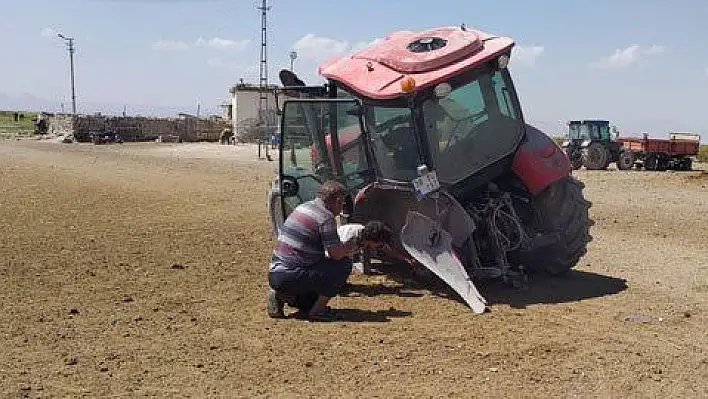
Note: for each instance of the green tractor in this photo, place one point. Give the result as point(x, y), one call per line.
point(590, 144)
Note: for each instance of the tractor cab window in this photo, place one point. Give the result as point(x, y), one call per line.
point(355, 162)
point(604, 132)
point(300, 150)
point(574, 131)
point(595, 132)
point(307, 150)
point(476, 124)
point(394, 142)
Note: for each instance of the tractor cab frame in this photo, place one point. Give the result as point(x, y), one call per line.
point(417, 142)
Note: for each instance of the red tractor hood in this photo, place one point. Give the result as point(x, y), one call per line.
point(376, 70)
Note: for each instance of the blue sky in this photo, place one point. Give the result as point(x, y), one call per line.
point(641, 64)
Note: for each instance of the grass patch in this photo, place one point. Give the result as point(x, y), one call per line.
point(703, 153)
point(23, 126)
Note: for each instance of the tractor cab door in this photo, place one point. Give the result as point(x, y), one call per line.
point(321, 139)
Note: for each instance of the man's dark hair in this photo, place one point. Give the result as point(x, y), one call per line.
point(377, 232)
point(331, 190)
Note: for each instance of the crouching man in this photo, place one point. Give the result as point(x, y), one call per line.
point(300, 272)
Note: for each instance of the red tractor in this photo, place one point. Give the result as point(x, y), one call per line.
point(426, 131)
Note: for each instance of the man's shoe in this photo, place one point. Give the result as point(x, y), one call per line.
point(275, 305)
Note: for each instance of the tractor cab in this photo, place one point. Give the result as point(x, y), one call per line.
point(589, 130)
point(579, 131)
point(589, 143)
point(403, 120)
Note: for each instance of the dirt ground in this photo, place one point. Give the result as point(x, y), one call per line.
point(140, 270)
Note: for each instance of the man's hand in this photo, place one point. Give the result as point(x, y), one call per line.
point(346, 250)
point(339, 252)
point(413, 262)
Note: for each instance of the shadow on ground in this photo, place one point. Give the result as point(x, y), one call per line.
point(404, 290)
point(361, 315)
point(574, 286)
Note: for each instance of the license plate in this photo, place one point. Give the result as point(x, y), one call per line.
point(425, 184)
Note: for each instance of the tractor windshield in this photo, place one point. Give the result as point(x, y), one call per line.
point(475, 125)
point(577, 131)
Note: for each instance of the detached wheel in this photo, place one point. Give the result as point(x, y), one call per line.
point(596, 157)
point(561, 209)
point(625, 160)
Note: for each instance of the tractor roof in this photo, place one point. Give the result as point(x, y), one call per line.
point(429, 57)
point(589, 121)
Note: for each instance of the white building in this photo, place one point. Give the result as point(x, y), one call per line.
point(244, 106)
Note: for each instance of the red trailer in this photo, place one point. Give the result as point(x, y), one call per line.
point(673, 153)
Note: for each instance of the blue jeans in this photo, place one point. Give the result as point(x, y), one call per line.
point(324, 278)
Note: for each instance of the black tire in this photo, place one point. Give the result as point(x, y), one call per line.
point(625, 161)
point(575, 158)
point(686, 164)
point(655, 163)
point(596, 156)
point(651, 163)
point(562, 209)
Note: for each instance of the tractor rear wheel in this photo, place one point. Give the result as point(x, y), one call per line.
point(561, 209)
point(625, 160)
point(596, 157)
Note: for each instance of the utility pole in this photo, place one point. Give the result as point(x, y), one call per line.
point(263, 83)
point(72, 49)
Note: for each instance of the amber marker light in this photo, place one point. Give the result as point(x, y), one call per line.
point(408, 84)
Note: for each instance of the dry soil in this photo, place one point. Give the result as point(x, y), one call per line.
point(140, 270)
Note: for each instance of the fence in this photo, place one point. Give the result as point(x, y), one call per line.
point(187, 128)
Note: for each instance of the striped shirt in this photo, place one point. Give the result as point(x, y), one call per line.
point(307, 232)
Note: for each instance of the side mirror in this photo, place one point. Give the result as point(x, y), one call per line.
point(289, 187)
point(443, 90)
